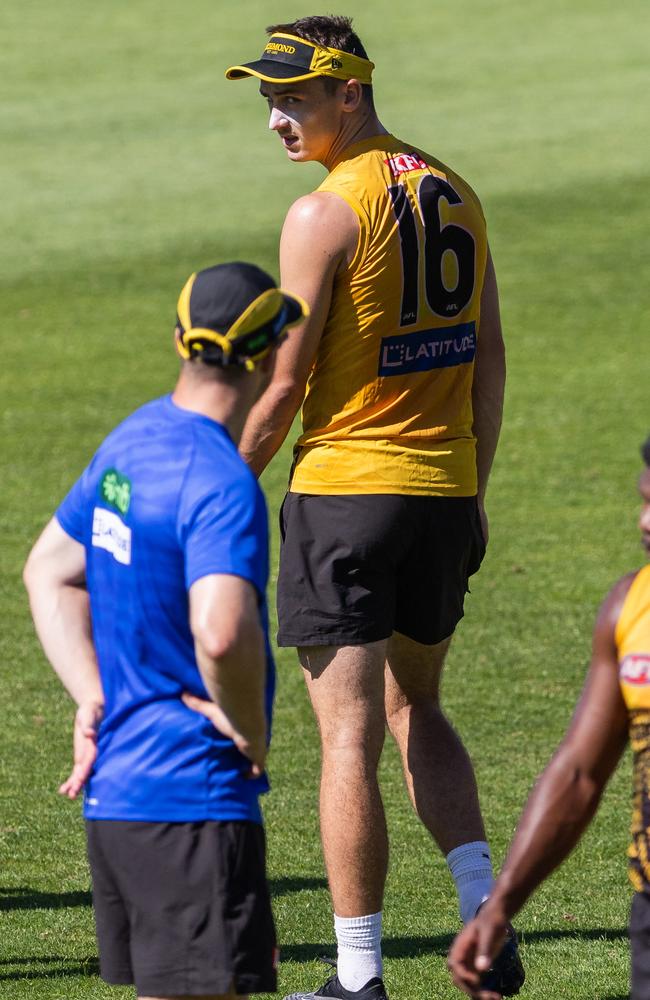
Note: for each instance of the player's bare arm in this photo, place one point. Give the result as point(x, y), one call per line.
point(561, 805)
point(489, 383)
point(229, 645)
point(319, 239)
point(55, 576)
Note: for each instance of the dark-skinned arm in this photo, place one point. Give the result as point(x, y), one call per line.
point(560, 807)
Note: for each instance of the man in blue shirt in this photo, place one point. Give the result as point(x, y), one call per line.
point(147, 590)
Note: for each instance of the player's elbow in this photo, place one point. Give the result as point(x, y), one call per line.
point(288, 392)
point(577, 781)
point(215, 645)
point(228, 642)
point(32, 572)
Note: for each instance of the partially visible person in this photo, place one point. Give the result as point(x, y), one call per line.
point(147, 590)
point(400, 371)
point(614, 706)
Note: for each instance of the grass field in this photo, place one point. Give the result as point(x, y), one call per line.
point(129, 162)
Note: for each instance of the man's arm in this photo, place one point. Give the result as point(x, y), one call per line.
point(319, 237)
point(560, 807)
point(489, 384)
point(54, 576)
point(231, 654)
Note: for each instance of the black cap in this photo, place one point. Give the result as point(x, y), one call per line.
point(234, 314)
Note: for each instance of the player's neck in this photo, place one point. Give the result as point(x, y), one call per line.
point(227, 404)
point(365, 125)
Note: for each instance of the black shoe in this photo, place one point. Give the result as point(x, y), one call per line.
point(373, 990)
point(506, 974)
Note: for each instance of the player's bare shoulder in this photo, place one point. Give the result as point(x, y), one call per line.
point(323, 223)
point(610, 610)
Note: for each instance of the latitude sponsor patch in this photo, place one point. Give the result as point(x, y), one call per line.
point(425, 350)
point(635, 669)
point(112, 534)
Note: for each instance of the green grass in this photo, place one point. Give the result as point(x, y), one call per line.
point(127, 163)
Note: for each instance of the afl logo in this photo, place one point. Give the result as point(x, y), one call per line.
point(635, 669)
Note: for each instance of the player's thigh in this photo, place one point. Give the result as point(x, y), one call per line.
point(338, 565)
point(433, 574)
point(110, 907)
point(199, 912)
point(413, 671)
point(346, 688)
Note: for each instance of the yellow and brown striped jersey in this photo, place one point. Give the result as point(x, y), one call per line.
point(388, 407)
point(633, 649)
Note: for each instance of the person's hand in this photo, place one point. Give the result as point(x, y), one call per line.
point(86, 726)
point(255, 749)
point(474, 950)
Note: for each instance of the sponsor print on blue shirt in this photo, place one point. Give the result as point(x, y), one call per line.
point(165, 501)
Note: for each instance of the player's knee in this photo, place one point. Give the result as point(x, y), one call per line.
point(359, 743)
point(404, 708)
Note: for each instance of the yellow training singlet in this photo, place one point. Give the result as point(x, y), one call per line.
point(388, 407)
point(633, 647)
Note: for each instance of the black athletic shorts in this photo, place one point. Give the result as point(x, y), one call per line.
point(640, 941)
point(182, 908)
point(354, 569)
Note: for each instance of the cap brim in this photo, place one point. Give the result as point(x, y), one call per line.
point(270, 71)
point(297, 308)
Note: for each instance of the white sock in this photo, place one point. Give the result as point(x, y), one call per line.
point(471, 869)
point(359, 950)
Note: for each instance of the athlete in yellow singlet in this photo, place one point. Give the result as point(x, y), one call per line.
point(615, 706)
point(400, 374)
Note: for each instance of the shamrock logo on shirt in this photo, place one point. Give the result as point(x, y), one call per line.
point(115, 490)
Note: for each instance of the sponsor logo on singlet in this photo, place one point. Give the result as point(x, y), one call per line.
point(445, 347)
point(405, 163)
point(112, 534)
point(635, 669)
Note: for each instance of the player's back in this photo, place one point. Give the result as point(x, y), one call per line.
point(165, 500)
point(388, 405)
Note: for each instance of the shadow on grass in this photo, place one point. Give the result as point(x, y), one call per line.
point(590, 934)
point(283, 886)
point(24, 898)
point(59, 970)
point(412, 947)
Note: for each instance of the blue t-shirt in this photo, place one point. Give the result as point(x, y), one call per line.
point(165, 501)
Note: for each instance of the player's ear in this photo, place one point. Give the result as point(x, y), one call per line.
point(177, 341)
point(353, 95)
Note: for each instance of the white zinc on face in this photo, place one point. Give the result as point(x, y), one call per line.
point(308, 117)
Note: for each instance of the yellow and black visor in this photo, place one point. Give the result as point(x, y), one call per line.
point(233, 314)
point(288, 59)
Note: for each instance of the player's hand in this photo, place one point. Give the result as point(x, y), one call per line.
point(255, 749)
point(86, 726)
point(474, 950)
